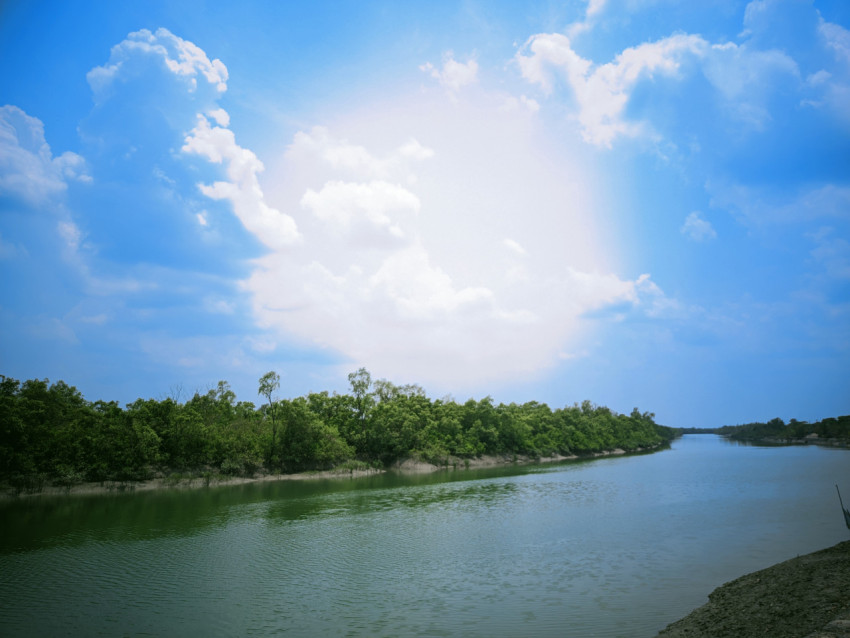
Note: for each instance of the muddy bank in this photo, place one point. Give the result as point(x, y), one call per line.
point(181, 483)
point(415, 466)
point(805, 597)
point(408, 466)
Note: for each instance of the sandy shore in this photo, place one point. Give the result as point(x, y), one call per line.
point(409, 466)
point(805, 597)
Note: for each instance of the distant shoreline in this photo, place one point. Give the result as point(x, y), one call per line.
point(408, 466)
point(770, 441)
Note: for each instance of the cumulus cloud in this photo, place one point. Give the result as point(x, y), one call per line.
point(218, 144)
point(743, 75)
point(602, 92)
point(347, 205)
point(440, 258)
point(419, 250)
point(27, 167)
point(454, 75)
point(88, 241)
point(181, 57)
point(420, 291)
point(354, 160)
point(408, 317)
point(698, 229)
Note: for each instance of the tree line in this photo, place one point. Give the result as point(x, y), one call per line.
point(778, 430)
point(51, 433)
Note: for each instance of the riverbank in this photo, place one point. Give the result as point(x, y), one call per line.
point(207, 479)
point(805, 597)
point(415, 466)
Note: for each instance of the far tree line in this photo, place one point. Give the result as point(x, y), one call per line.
point(51, 433)
point(779, 431)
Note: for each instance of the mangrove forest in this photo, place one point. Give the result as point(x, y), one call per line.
point(51, 435)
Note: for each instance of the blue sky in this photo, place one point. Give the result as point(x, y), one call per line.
point(636, 202)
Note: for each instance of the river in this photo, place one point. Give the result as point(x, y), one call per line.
point(618, 546)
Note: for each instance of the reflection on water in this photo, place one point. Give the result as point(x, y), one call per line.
point(615, 547)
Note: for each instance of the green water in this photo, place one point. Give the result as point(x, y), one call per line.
point(614, 547)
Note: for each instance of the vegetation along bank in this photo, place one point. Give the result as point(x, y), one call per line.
point(50, 435)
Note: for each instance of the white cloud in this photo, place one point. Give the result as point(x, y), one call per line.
point(221, 117)
point(514, 246)
point(414, 150)
point(344, 205)
point(71, 234)
point(497, 263)
point(339, 154)
point(697, 228)
point(217, 144)
point(551, 50)
point(420, 291)
point(454, 75)
point(181, 57)
point(744, 77)
point(355, 161)
point(819, 78)
point(836, 86)
point(409, 318)
point(602, 92)
point(837, 38)
point(27, 166)
point(594, 8)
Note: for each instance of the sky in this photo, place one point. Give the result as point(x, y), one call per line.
point(641, 203)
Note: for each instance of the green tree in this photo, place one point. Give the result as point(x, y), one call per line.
point(306, 441)
point(269, 384)
point(361, 382)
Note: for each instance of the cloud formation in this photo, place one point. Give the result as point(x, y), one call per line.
point(218, 145)
point(439, 261)
point(743, 76)
point(698, 229)
point(479, 223)
point(181, 57)
point(373, 205)
point(454, 75)
point(27, 167)
point(602, 92)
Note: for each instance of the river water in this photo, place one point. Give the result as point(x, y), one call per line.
point(619, 546)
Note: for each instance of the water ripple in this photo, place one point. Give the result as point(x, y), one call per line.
point(611, 549)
